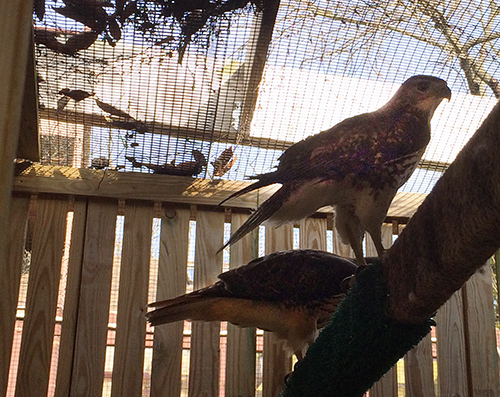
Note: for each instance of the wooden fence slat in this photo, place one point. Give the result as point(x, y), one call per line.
point(452, 363)
point(172, 276)
point(277, 362)
point(387, 386)
point(419, 376)
point(68, 326)
point(10, 281)
point(132, 301)
point(240, 356)
point(45, 269)
point(313, 233)
point(205, 339)
point(94, 296)
point(480, 317)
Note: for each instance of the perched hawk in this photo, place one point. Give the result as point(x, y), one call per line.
point(356, 166)
point(292, 293)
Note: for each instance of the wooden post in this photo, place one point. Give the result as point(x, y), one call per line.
point(15, 21)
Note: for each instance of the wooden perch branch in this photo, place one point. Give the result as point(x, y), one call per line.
point(452, 234)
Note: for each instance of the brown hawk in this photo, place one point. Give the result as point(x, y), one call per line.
point(293, 293)
point(356, 166)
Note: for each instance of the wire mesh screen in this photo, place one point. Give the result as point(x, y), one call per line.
point(218, 92)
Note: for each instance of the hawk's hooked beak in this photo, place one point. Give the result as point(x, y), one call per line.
point(447, 93)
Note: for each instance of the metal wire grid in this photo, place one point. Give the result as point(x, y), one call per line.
point(321, 67)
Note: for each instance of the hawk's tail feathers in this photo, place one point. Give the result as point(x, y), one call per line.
point(264, 180)
point(264, 212)
point(184, 307)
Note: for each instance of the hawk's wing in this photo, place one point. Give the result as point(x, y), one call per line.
point(296, 276)
point(358, 147)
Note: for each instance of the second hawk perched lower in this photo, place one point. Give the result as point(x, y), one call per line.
point(292, 293)
point(356, 166)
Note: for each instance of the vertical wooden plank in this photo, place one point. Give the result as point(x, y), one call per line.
point(15, 29)
point(93, 302)
point(419, 376)
point(452, 363)
point(387, 386)
point(132, 300)
point(481, 336)
point(68, 326)
point(205, 337)
point(313, 233)
point(277, 362)
point(45, 269)
point(9, 282)
point(240, 360)
point(172, 275)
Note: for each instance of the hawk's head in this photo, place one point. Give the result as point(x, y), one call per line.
point(422, 92)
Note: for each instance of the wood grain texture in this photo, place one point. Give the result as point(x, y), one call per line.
point(313, 233)
point(240, 356)
point(41, 301)
point(419, 377)
point(15, 25)
point(93, 298)
point(172, 277)
point(132, 300)
point(387, 386)
point(10, 281)
point(165, 188)
point(70, 314)
point(480, 323)
point(205, 340)
point(452, 362)
point(277, 362)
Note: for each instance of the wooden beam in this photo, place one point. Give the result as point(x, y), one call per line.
point(29, 145)
point(98, 120)
point(167, 188)
point(256, 60)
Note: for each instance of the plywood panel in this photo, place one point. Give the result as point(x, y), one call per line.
point(9, 282)
point(45, 268)
point(132, 300)
point(204, 362)
point(68, 326)
point(313, 233)
point(481, 335)
point(93, 303)
point(277, 362)
point(452, 363)
point(172, 275)
point(240, 360)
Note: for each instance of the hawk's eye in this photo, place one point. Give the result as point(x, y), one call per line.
point(423, 86)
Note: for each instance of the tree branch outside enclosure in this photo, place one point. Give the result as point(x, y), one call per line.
point(465, 33)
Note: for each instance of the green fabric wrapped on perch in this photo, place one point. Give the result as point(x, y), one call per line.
point(359, 345)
